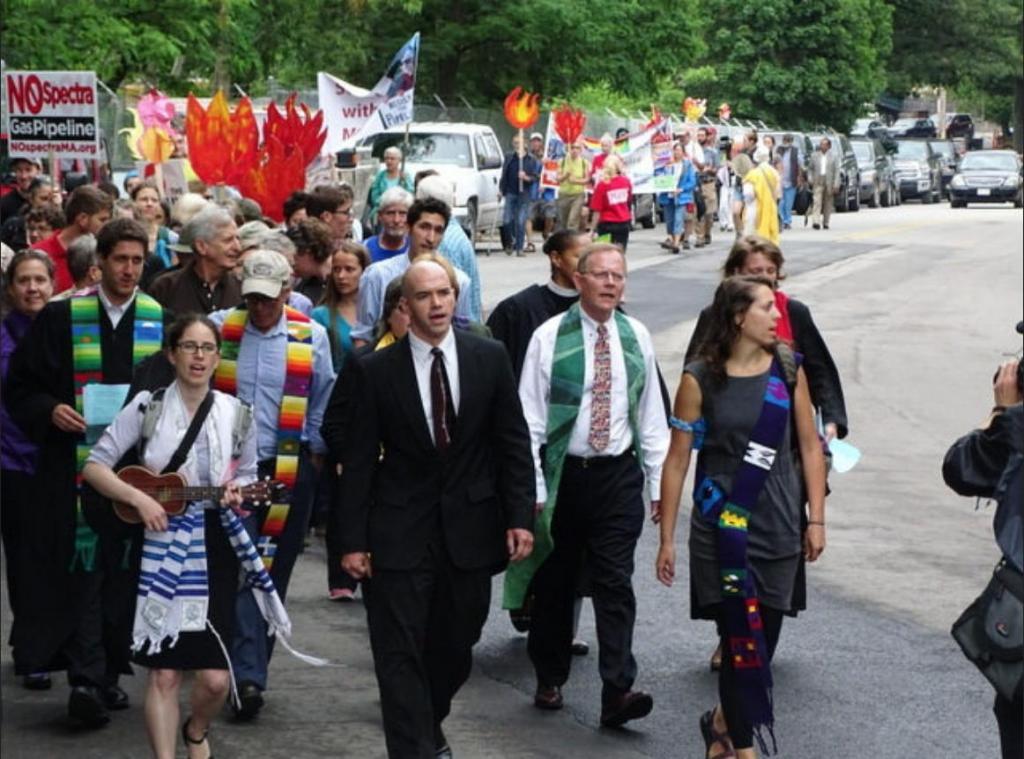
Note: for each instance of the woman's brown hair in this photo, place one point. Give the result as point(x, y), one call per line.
point(733, 297)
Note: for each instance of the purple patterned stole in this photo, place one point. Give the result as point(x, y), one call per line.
point(730, 515)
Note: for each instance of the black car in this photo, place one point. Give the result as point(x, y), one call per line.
point(988, 176)
point(847, 196)
point(960, 125)
point(947, 152)
point(918, 170)
point(912, 127)
point(877, 183)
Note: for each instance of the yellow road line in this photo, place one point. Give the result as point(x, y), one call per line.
point(891, 229)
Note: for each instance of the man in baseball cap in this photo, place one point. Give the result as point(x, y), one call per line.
point(278, 352)
point(24, 170)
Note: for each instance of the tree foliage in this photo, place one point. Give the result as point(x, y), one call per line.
point(797, 62)
point(789, 61)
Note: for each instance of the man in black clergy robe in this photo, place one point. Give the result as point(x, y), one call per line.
point(74, 619)
point(514, 319)
point(436, 496)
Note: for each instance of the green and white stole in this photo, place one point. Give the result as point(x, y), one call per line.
point(292, 414)
point(568, 369)
point(87, 369)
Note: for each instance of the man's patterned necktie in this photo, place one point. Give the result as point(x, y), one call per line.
point(601, 394)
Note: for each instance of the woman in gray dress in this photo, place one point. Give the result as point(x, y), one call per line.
point(744, 403)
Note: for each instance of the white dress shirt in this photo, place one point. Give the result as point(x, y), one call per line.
point(652, 424)
point(423, 360)
point(114, 311)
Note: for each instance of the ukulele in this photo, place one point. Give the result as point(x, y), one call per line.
point(173, 493)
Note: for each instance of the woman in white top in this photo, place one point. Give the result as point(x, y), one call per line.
point(185, 622)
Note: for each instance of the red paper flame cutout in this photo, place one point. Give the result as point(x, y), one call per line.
point(222, 144)
point(304, 132)
point(277, 174)
point(569, 123)
point(522, 109)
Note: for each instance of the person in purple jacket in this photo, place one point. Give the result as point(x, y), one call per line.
point(28, 286)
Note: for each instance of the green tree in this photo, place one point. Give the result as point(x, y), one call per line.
point(168, 43)
point(798, 62)
point(975, 49)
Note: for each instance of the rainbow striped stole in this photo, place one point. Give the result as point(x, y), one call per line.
point(87, 369)
point(291, 415)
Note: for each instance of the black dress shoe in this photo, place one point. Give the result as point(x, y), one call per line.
point(114, 697)
point(633, 704)
point(579, 647)
point(250, 699)
point(441, 748)
point(548, 697)
point(37, 681)
point(85, 706)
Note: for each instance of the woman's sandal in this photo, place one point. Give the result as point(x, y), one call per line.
point(189, 739)
point(712, 736)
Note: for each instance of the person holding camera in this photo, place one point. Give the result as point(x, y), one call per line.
point(989, 463)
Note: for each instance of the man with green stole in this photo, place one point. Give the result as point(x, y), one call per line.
point(592, 399)
point(68, 378)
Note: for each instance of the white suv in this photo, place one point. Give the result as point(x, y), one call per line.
point(468, 155)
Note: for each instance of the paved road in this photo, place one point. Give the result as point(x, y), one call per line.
point(918, 305)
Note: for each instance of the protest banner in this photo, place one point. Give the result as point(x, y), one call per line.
point(351, 112)
point(554, 152)
point(51, 113)
point(646, 155)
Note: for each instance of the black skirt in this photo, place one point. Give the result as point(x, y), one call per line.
point(200, 649)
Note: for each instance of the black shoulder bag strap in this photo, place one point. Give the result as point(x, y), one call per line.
point(190, 435)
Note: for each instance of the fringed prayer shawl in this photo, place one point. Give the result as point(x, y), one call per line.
point(87, 368)
point(292, 414)
point(173, 591)
point(730, 515)
point(568, 370)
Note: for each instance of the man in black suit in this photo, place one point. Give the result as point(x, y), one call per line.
point(436, 496)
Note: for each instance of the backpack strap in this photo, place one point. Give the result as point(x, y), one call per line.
point(243, 424)
point(150, 416)
point(789, 363)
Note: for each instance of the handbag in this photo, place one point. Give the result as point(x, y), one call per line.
point(698, 200)
point(991, 630)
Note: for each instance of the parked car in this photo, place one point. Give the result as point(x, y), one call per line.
point(874, 130)
point(919, 170)
point(864, 127)
point(469, 155)
point(877, 184)
point(988, 176)
point(847, 197)
point(913, 127)
point(960, 125)
point(948, 153)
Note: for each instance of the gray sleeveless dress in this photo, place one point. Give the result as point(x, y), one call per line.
point(774, 550)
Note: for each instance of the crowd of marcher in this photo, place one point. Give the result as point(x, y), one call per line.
point(189, 389)
point(749, 185)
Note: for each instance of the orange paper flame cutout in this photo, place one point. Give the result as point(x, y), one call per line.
point(304, 132)
point(569, 123)
point(222, 144)
point(522, 109)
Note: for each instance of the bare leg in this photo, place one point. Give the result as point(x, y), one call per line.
point(161, 707)
point(208, 694)
point(720, 746)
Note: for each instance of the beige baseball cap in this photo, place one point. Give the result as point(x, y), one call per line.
point(265, 272)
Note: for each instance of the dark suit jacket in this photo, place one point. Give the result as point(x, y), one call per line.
point(397, 493)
